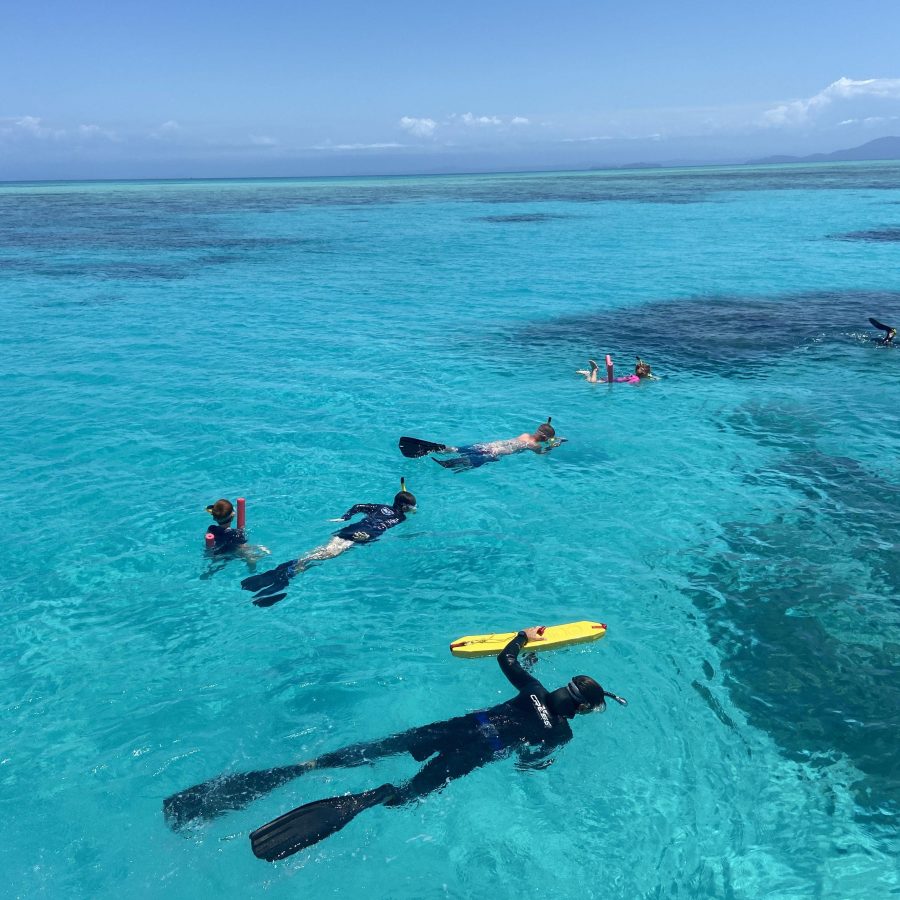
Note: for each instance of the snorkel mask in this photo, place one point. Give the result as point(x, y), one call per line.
point(586, 705)
point(546, 432)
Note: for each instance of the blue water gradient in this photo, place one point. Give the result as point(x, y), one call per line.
point(734, 523)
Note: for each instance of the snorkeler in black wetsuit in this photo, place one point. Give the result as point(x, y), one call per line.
point(269, 586)
point(533, 724)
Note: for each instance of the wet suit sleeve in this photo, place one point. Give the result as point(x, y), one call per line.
point(360, 508)
point(512, 668)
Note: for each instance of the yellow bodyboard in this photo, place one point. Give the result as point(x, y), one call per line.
point(555, 636)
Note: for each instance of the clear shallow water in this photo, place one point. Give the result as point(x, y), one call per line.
point(735, 524)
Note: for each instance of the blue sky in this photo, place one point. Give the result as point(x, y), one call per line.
point(195, 89)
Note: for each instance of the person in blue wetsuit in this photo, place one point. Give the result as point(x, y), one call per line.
point(377, 518)
point(533, 724)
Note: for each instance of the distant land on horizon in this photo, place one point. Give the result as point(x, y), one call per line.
point(880, 148)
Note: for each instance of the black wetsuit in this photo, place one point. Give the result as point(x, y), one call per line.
point(377, 520)
point(526, 724)
point(227, 539)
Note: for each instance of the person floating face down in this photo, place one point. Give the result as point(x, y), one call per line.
point(231, 541)
point(542, 440)
point(534, 723)
point(269, 587)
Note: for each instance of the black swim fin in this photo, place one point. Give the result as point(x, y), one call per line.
point(881, 326)
point(413, 448)
point(269, 586)
point(216, 797)
point(268, 599)
point(308, 824)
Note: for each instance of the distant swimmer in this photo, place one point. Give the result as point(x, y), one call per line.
point(592, 374)
point(269, 586)
point(642, 369)
point(533, 724)
point(889, 333)
point(228, 541)
point(543, 440)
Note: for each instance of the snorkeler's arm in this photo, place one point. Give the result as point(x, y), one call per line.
point(360, 508)
point(512, 668)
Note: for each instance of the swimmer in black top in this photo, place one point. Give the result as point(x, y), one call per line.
point(532, 724)
point(269, 586)
point(231, 541)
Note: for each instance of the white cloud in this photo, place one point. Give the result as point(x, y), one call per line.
point(519, 120)
point(469, 119)
point(166, 130)
point(379, 146)
point(262, 140)
point(95, 131)
point(418, 127)
point(586, 140)
point(29, 126)
point(799, 112)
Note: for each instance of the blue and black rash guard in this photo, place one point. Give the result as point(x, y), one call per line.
point(525, 724)
point(227, 539)
point(527, 718)
point(377, 520)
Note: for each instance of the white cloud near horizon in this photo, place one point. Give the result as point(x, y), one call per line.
point(262, 140)
point(384, 145)
point(95, 131)
point(166, 130)
point(418, 127)
point(29, 126)
point(471, 120)
point(800, 112)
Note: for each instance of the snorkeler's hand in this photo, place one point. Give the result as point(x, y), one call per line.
point(535, 634)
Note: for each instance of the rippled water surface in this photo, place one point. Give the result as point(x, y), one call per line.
point(735, 524)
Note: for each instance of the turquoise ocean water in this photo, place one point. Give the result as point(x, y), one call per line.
point(735, 524)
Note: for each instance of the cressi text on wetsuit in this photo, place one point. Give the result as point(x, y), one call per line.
point(455, 747)
point(377, 520)
point(227, 539)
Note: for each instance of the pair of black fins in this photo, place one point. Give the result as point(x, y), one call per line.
point(889, 332)
point(295, 830)
point(268, 587)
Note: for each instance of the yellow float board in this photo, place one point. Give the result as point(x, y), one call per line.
point(555, 636)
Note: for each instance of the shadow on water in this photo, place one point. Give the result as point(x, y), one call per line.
point(803, 610)
point(889, 235)
point(711, 335)
point(521, 217)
